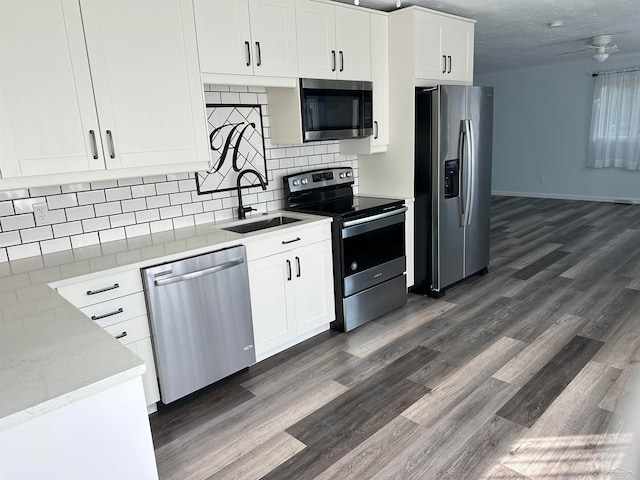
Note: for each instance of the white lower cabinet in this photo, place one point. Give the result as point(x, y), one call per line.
point(291, 296)
point(144, 350)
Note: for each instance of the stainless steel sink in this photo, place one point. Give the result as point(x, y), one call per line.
point(261, 224)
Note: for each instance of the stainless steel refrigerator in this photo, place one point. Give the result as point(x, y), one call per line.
point(453, 149)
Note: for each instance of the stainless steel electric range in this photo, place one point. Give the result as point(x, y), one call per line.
point(368, 237)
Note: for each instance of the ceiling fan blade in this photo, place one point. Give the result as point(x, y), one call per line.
point(575, 51)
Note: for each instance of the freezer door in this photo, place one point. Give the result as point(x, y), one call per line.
point(448, 232)
point(480, 115)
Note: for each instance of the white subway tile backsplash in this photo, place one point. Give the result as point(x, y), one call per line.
point(67, 229)
point(80, 213)
point(137, 230)
point(167, 187)
point(62, 201)
point(85, 240)
point(148, 190)
point(14, 194)
point(124, 182)
point(170, 212)
point(8, 239)
point(122, 220)
point(86, 214)
point(146, 216)
point(25, 205)
point(36, 234)
point(23, 251)
point(112, 235)
point(158, 201)
point(120, 193)
point(44, 191)
point(161, 226)
point(6, 208)
point(57, 245)
point(17, 222)
point(133, 205)
point(182, 222)
point(109, 208)
point(95, 224)
point(180, 198)
point(94, 196)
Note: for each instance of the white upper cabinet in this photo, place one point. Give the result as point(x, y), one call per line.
point(247, 37)
point(333, 41)
point(443, 48)
point(92, 90)
point(143, 59)
point(48, 120)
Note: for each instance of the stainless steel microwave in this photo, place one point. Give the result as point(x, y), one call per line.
point(335, 109)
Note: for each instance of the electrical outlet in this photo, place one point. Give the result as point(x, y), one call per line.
point(41, 213)
point(541, 179)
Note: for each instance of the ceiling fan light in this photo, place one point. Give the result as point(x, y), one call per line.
point(600, 56)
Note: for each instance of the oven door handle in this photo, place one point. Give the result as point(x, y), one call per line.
point(359, 221)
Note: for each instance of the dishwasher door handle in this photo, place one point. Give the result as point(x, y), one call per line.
point(199, 273)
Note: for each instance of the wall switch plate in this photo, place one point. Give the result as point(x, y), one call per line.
point(41, 212)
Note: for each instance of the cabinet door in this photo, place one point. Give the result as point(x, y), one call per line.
point(457, 44)
point(224, 40)
point(353, 43)
point(273, 33)
point(143, 349)
point(429, 61)
point(271, 325)
point(312, 286)
point(146, 78)
point(316, 34)
point(46, 102)
point(380, 77)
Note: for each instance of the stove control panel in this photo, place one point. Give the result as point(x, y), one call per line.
point(313, 179)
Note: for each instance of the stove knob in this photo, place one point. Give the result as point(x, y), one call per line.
point(342, 175)
point(349, 174)
point(305, 181)
point(296, 183)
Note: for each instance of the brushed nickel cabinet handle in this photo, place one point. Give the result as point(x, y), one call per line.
point(122, 335)
point(111, 146)
point(375, 124)
point(289, 270)
point(449, 63)
point(102, 290)
point(248, 53)
point(341, 61)
point(298, 263)
point(333, 57)
point(110, 314)
point(444, 64)
point(94, 145)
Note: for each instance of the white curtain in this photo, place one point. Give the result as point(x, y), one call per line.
point(615, 121)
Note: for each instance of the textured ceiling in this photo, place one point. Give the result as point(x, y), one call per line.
point(514, 34)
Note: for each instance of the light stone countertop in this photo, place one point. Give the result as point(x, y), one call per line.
point(50, 353)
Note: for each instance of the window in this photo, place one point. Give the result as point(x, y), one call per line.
point(615, 121)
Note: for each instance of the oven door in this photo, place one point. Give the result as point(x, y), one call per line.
point(373, 250)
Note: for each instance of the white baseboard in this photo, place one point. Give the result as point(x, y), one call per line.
point(561, 196)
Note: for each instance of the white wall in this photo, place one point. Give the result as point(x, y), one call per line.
point(541, 128)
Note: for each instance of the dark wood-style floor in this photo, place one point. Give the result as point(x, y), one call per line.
point(526, 373)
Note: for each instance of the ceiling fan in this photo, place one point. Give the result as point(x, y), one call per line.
point(602, 46)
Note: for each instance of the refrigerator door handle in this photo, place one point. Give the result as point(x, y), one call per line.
point(473, 168)
point(462, 194)
point(466, 190)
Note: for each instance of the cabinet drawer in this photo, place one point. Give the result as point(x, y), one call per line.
point(116, 310)
point(102, 288)
point(130, 330)
point(291, 238)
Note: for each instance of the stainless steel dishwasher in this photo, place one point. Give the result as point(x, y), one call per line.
point(200, 315)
